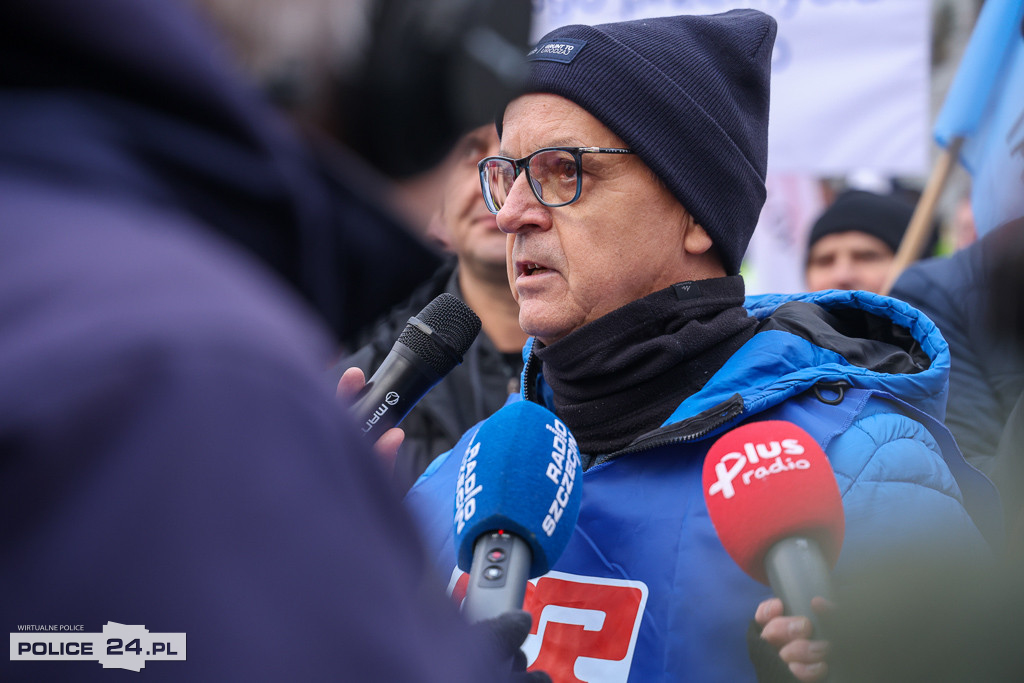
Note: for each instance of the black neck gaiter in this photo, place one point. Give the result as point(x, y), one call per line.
point(623, 374)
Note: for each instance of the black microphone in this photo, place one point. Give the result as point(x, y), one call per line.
point(431, 345)
point(516, 504)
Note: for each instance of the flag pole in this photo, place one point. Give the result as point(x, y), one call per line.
point(920, 227)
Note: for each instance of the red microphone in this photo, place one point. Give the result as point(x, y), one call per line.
point(775, 503)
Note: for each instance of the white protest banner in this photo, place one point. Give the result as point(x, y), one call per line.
point(850, 78)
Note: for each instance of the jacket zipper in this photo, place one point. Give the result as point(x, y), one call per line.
point(692, 428)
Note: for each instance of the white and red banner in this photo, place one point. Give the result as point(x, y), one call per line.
point(584, 627)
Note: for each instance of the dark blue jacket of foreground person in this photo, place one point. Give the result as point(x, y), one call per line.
point(170, 456)
point(986, 377)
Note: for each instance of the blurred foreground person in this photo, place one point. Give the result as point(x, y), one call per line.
point(629, 181)
point(171, 455)
point(490, 368)
point(932, 614)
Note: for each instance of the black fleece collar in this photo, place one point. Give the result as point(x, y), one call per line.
point(622, 375)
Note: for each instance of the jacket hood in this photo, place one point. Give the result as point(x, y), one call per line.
point(866, 340)
point(140, 102)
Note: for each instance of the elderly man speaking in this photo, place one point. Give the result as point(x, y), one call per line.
point(630, 178)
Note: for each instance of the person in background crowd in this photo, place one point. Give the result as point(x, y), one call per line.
point(630, 177)
point(490, 368)
point(854, 241)
point(172, 459)
point(972, 298)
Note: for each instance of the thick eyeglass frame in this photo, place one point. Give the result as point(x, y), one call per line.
point(520, 165)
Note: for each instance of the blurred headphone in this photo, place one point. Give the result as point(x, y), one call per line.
point(433, 70)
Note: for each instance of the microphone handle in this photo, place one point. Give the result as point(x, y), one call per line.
point(498, 576)
point(798, 571)
point(397, 385)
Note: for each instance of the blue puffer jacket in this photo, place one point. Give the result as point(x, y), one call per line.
point(645, 591)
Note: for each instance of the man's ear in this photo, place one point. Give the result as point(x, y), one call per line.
point(701, 253)
point(696, 240)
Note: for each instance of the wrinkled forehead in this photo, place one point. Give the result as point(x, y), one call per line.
point(538, 120)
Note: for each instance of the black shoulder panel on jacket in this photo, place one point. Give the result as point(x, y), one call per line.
point(863, 339)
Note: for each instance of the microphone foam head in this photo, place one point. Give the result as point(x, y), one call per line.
point(521, 474)
point(766, 481)
point(442, 332)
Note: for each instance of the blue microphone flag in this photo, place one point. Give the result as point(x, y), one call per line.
point(521, 474)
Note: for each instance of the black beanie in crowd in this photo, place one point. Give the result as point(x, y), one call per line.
point(878, 215)
point(689, 95)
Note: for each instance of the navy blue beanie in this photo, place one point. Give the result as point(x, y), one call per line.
point(689, 95)
point(883, 216)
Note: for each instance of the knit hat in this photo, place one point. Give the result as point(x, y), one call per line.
point(878, 215)
point(689, 95)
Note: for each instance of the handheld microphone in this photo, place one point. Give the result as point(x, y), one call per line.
point(431, 345)
point(775, 503)
point(516, 504)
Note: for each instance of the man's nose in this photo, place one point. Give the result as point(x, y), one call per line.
point(845, 275)
point(521, 207)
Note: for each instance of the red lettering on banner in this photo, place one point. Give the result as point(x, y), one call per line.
point(579, 618)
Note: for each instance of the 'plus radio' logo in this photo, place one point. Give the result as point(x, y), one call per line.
point(755, 460)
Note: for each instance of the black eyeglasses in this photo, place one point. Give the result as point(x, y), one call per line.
point(553, 174)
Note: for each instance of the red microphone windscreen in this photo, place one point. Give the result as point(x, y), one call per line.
point(765, 481)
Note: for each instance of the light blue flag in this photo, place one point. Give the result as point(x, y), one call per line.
point(985, 106)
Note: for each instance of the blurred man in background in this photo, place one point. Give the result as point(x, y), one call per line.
point(853, 243)
point(476, 273)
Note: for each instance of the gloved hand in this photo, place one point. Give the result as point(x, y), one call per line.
point(508, 633)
